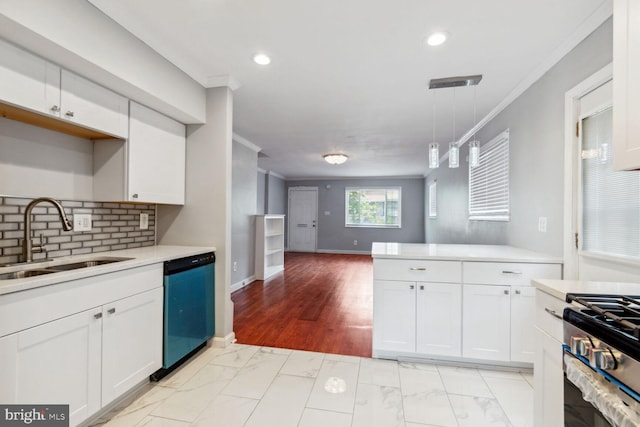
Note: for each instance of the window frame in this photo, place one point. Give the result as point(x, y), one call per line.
point(347, 190)
point(495, 153)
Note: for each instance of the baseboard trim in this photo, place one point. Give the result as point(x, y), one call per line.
point(241, 284)
point(331, 251)
point(225, 341)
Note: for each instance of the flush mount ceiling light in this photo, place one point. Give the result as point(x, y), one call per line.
point(261, 59)
point(335, 159)
point(437, 38)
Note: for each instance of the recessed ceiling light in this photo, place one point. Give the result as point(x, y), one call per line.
point(261, 59)
point(436, 39)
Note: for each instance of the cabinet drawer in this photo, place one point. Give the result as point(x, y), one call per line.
point(417, 270)
point(548, 308)
point(508, 273)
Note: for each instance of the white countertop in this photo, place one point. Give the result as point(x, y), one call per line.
point(140, 257)
point(490, 253)
point(560, 288)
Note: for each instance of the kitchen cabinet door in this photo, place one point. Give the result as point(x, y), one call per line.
point(548, 382)
point(156, 157)
point(57, 362)
point(394, 316)
point(91, 105)
point(523, 318)
point(626, 86)
point(132, 342)
point(439, 319)
point(486, 322)
point(29, 81)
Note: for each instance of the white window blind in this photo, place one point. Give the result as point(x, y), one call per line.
point(610, 199)
point(489, 181)
point(433, 204)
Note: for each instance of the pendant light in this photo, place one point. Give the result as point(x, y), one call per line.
point(454, 151)
point(434, 147)
point(474, 145)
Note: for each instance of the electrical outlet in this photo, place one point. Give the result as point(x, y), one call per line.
point(144, 221)
point(355, 243)
point(81, 222)
point(235, 265)
point(542, 224)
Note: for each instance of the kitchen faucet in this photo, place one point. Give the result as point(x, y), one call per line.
point(27, 243)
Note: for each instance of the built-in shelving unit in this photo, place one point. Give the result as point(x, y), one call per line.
point(269, 245)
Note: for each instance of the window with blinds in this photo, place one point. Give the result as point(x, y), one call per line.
point(489, 181)
point(433, 201)
point(610, 199)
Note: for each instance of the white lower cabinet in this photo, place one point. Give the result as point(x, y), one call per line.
point(131, 342)
point(83, 358)
point(58, 362)
point(420, 317)
point(394, 319)
point(523, 320)
point(486, 322)
point(548, 382)
point(439, 318)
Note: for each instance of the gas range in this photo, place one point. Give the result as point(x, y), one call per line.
point(602, 356)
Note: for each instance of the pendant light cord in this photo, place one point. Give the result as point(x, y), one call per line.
point(433, 127)
point(454, 115)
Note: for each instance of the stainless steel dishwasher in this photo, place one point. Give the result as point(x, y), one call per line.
point(188, 309)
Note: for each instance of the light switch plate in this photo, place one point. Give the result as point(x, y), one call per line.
point(144, 221)
point(81, 222)
point(542, 224)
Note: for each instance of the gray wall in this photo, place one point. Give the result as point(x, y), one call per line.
point(276, 195)
point(261, 202)
point(244, 193)
point(536, 124)
point(334, 236)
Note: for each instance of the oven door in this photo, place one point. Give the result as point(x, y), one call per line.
point(590, 400)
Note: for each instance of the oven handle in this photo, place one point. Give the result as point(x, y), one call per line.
point(553, 313)
point(599, 392)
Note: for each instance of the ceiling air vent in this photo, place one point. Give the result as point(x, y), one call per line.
point(454, 81)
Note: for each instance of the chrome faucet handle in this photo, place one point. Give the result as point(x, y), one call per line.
point(40, 246)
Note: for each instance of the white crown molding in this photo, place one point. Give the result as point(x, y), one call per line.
point(262, 171)
point(588, 26)
point(222, 81)
point(277, 175)
point(244, 141)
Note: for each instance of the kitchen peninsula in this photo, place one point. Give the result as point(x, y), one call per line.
point(459, 303)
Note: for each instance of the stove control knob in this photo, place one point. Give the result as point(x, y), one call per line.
point(581, 346)
point(604, 359)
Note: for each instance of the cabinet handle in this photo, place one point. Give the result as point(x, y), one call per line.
point(553, 313)
point(517, 291)
point(97, 315)
point(55, 109)
point(69, 113)
point(418, 269)
point(422, 287)
point(412, 287)
point(506, 292)
point(111, 310)
point(511, 272)
point(134, 196)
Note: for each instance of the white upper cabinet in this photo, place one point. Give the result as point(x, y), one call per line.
point(64, 101)
point(88, 104)
point(626, 85)
point(28, 81)
point(149, 167)
point(157, 156)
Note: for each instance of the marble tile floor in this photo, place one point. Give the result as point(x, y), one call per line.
point(252, 386)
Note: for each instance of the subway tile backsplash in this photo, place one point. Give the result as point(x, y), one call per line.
point(114, 226)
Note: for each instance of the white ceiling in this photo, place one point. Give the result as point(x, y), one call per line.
point(351, 76)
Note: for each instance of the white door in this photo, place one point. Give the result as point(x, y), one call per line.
point(486, 322)
point(132, 342)
point(439, 319)
point(303, 218)
point(605, 208)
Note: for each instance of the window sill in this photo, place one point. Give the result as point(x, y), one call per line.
point(616, 259)
point(373, 226)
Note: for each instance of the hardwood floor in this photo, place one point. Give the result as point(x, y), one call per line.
point(321, 302)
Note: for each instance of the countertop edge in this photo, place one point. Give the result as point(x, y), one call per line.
point(142, 256)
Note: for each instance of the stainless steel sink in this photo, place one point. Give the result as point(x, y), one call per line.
point(84, 264)
point(25, 273)
point(21, 274)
